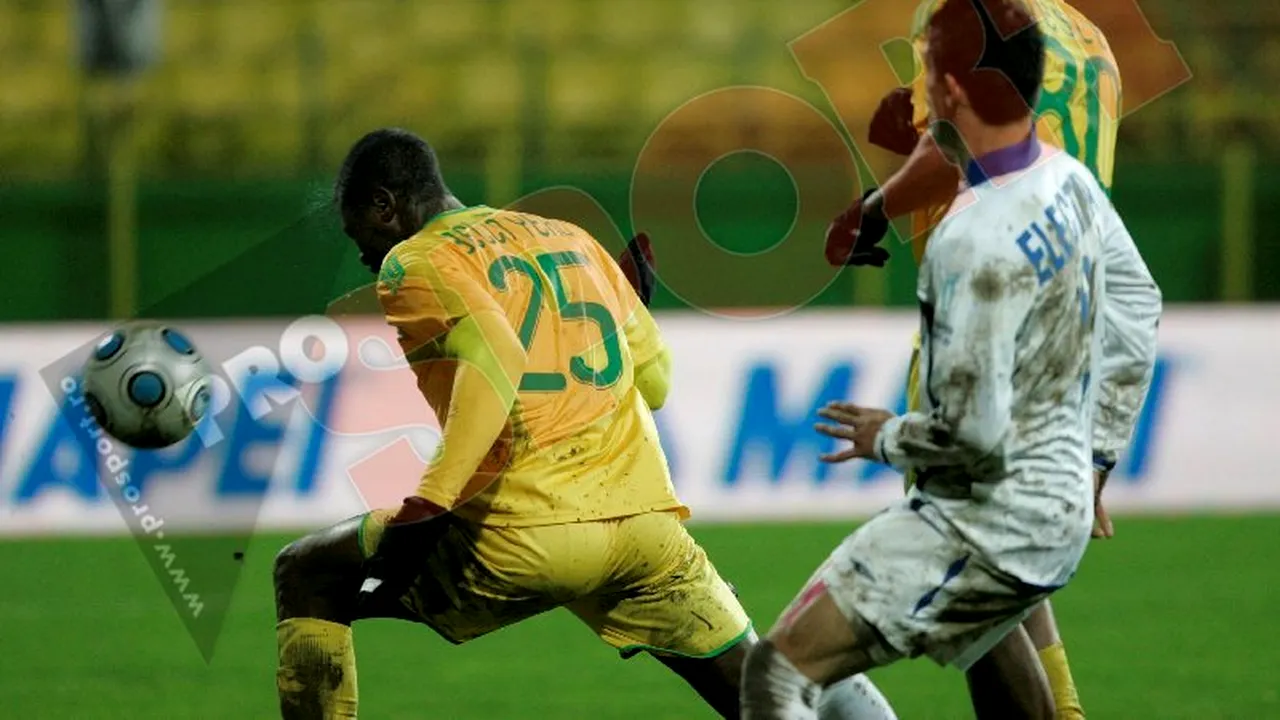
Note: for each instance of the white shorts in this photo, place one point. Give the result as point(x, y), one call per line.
point(911, 577)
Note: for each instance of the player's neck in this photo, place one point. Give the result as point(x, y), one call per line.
point(983, 139)
point(443, 205)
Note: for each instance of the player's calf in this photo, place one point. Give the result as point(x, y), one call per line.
point(1008, 682)
point(814, 645)
point(717, 680)
point(316, 675)
point(317, 580)
point(1042, 628)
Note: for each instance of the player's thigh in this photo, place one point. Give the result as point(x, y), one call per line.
point(824, 638)
point(1009, 681)
point(924, 588)
point(479, 579)
point(662, 594)
point(1042, 626)
point(319, 575)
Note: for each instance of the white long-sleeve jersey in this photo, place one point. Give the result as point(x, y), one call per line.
point(1010, 290)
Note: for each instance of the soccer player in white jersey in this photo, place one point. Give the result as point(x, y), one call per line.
point(1081, 118)
point(1009, 290)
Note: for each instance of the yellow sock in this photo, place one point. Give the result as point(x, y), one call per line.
point(1054, 660)
point(317, 673)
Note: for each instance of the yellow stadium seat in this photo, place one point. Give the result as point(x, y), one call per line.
point(489, 89)
point(628, 25)
point(447, 23)
point(715, 25)
point(588, 87)
point(251, 31)
point(553, 24)
point(671, 80)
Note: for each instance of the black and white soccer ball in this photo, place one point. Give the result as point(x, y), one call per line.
point(147, 385)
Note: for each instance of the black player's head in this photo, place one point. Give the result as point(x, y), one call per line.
point(984, 62)
point(387, 189)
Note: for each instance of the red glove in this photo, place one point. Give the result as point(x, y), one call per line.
point(416, 509)
point(853, 237)
point(638, 265)
point(891, 125)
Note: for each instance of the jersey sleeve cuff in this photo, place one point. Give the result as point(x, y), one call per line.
point(886, 448)
point(1104, 461)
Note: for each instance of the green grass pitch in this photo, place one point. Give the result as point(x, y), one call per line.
point(1175, 618)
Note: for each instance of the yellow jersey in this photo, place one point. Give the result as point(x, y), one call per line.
point(1079, 105)
point(580, 443)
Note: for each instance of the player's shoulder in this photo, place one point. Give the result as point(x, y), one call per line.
point(920, 21)
point(425, 258)
point(538, 225)
point(1069, 27)
point(1006, 205)
point(1082, 25)
point(1074, 177)
point(424, 250)
point(965, 236)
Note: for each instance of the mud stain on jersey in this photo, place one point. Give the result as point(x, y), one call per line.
point(988, 284)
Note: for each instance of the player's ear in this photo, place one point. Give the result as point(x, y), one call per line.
point(956, 95)
point(384, 205)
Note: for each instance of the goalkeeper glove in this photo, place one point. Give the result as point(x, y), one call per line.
point(400, 555)
point(853, 237)
point(638, 266)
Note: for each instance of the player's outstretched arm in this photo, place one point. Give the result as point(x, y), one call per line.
point(927, 180)
point(972, 337)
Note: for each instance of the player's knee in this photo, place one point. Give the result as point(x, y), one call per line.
point(773, 687)
point(290, 565)
point(759, 659)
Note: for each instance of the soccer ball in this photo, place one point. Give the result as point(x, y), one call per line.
point(146, 385)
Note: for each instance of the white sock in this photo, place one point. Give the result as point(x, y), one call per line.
point(855, 698)
point(773, 689)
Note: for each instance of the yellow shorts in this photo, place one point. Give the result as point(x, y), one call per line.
point(640, 582)
point(913, 396)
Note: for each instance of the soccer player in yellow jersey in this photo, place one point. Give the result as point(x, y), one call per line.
point(1078, 110)
point(550, 488)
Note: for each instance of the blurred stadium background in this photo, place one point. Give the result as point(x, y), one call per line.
point(196, 189)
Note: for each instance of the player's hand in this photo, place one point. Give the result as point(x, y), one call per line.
point(891, 125)
point(858, 425)
point(398, 559)
point(853, 237)
point(638, 265)
point(1102, 527)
